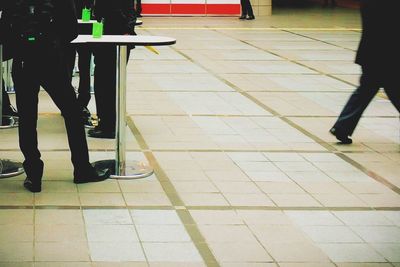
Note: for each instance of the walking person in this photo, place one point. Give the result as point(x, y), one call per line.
point(378, 52)
point(247, 10)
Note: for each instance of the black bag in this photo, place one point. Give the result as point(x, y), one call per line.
point(32, 21)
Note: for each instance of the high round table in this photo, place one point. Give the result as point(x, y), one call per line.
point(119, 167)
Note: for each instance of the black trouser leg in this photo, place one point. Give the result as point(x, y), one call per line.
point(6, 101)
point(105, 86)
point(358, 102)
point(85, 56)
point(249, 9)
point(55, 80)
point(27, 103)
point(138, 7)
point(243, 4)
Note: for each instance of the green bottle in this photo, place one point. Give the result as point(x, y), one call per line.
point(97, 31)
point(86, 14)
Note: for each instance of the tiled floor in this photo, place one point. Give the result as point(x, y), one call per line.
point(234, 120)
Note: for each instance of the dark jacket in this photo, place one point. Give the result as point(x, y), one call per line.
point(65, 27)
point(379, 45)
point(118, 15)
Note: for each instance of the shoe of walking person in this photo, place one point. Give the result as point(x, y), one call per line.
point(250, 18)
point(341, 136)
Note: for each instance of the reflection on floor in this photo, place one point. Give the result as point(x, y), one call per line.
point(234, 119)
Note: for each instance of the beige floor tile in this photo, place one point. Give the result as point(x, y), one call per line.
point(381, 200)
point(140, 186)
point(16, 264)
point(16, 251)
point(61, 251)
point(16, 199)
point(111, 233)
point(57, 199)
point(271, 234)
point(295, 252)
point(146, 199)
point(378, 234)
point(362, 218)
point(227, 233)
point(116, 251)
point(304, 218)
point(306, 264)
point(216, 217)
point(171, 252)
point(162, 233)
point(176, 264)
point(249, 200)
point(332, 234)
point(351, 253)
point(294, 200)
point(16, 217)
point(120, 264)
point(262, 217)
point(155, 217)
point(58, 217)
point(107, 216)
point(16, 233)
point(203, 199)
point(238, 187)
point(280, 187)
point(11, 186)
point(108, 186)
point(195, 187)
point(60, 233)
point(102, 199)
point(58, 187)
point(239, 252)
point(339, 200)
point(391, 251)
point(62, 264)
point(249, 264)
point(364, 264)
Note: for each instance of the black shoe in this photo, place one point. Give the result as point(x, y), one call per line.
point(91, 175)
point(341, 136)
point(242, 17)
point(34, 172)
point(33, 184)
point(99, 132)
point(251, 18)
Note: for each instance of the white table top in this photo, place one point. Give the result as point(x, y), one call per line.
point(138, 21)
point(139, 40)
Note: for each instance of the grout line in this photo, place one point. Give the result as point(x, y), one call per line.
point(187, 208)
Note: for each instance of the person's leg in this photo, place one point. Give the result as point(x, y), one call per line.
point(139, 8)
point(244, 9)
point(27, 103)
point(55, 80)
point(6, 100)
point(250, 10)
point(105, 91)
point(357, 103)
point(85, 54)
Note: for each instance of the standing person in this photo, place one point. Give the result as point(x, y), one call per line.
point(119, 19)
point(40, 38)
point(85, 53)
point(247, 10)
point(377, 53)
point(138, 8)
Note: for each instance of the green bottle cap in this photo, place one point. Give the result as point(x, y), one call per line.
point(86, 14)
point(97, 30)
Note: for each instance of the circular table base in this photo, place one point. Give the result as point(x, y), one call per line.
point(133, 169)
point(9, 122)
point(10, 169)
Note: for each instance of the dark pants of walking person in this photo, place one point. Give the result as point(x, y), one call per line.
point(372, 79)
point(247, 10)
